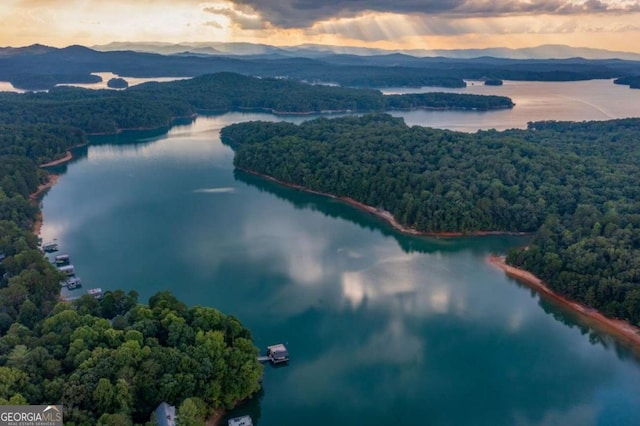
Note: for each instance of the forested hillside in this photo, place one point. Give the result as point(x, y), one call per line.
point(632, 81)
point(154, 105)
point(110, 361)
point(41, 67)
point(575, 184)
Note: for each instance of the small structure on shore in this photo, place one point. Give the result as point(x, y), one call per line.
point(71, 283)
point(278, 353)
point(95, 292)
point(50, 247)
point(62, 259)
point(67, 269)
point(241, 421)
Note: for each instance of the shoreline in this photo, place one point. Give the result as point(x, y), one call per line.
point(383, 214)
point(621, 330)
point(67, 157)
point(216, 419)
point(52, 179)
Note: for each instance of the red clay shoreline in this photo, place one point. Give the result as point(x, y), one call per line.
point(624, 332)
point(383, 214)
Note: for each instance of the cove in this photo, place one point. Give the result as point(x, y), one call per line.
point(382, 328)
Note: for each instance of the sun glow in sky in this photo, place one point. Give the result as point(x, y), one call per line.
point(398, 24)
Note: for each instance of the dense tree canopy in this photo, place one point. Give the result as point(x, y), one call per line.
point(154, 105)
point(110, 361)
point(117, 357)
point(575, 184)
point(117, 83)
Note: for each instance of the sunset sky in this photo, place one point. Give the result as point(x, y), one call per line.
point(393, 24)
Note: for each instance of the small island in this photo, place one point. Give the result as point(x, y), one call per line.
point(117, 83)
point(493, 82)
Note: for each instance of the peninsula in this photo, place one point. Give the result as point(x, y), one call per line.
point(572, 185)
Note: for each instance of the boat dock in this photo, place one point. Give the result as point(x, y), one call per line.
point(67, 269)
point(50, 247)
point(276, 354)
point(63, 265)
point(241, 421)
point(62, 259)
point(95, 292)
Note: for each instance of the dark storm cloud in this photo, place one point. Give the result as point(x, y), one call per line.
point(246, 21)
point(303, 13)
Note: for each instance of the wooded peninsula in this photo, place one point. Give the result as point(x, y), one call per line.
point(574, 185)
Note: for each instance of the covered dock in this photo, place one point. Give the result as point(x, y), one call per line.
point(241, 421)
point(278, 353)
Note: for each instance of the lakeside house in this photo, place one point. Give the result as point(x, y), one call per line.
point(165, 414)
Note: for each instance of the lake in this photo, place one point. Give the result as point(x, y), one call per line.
point(6, 86)
point(383, 328)
point(535, 101)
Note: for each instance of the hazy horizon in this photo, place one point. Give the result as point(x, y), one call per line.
point(400, 25)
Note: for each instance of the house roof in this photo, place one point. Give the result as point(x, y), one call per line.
point(166, 414)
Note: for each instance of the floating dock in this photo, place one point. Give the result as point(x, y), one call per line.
point(241, 421)
point(276, 354)
point(69, 270)
point(62, 259)
point(95, 292)
point(50, 247)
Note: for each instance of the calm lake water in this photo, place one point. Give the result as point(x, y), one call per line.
point(6, 86)
point(383, 329)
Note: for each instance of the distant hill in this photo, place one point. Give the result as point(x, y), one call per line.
point(34, 49)
point(548, 51)
point(40, 67)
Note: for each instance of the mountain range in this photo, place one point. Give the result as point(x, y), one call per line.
point(548, 51)
point(39, 67)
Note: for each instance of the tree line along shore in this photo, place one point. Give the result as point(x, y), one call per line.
point(574, 186)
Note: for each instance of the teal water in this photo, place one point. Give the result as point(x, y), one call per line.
point(383, 329)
